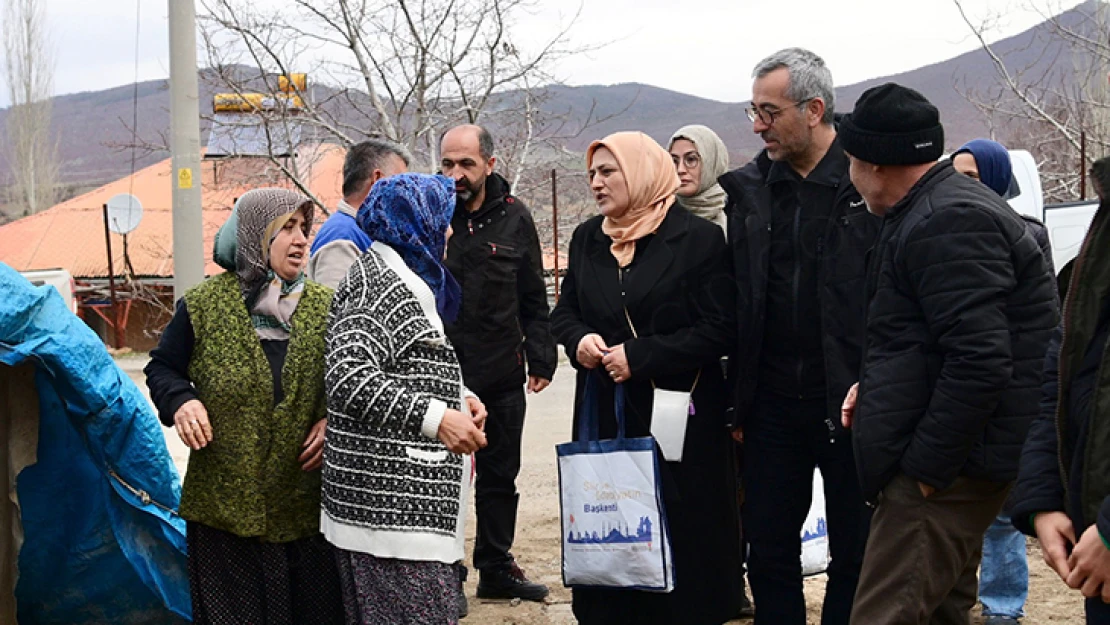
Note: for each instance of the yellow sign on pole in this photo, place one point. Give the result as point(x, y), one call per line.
point(185, 178)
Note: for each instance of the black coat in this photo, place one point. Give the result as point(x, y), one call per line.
point(679, 293)
point(962, 304)
point(495, 256)
point(850, 232)
point(1065, 464)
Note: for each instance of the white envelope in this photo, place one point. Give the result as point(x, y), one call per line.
point(669, 413)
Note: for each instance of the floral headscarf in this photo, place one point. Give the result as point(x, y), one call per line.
point(410, 213)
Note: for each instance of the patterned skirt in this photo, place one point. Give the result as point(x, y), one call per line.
point(235, 580)
point(383, 591)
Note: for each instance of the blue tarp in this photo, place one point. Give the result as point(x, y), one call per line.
point(102, 539)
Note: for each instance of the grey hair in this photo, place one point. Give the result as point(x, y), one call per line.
point(363, 158)
point(809, 77)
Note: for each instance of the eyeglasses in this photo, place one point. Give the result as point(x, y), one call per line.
point(768, 116)
point(690, 160)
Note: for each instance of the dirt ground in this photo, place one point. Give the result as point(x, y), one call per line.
point(537, 542)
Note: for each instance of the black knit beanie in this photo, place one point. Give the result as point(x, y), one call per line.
point(893, 125)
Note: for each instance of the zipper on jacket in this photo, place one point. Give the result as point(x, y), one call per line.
point(470, 226)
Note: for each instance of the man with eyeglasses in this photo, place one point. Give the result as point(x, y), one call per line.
point(799, 233)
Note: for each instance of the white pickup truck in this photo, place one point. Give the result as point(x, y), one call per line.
point(1067, 223)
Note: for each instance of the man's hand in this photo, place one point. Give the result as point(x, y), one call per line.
point(313, 455)
point(591, 349)
point(848, 408)
point(1090, 566)
point(616, 364)
point(191, 423)
point(1056, 535)
point(478, 412)
point(926, 490)
point(537, 384)
point(458, 432)
point(738, 435)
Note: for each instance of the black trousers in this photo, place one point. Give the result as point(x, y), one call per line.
point(495, 496)
point(784, 440)
point(1098, 613)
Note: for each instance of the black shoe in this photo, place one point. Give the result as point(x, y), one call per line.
point(464, 608)
point(509, 583)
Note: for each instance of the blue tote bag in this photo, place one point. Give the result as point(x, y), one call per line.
point(614, 527)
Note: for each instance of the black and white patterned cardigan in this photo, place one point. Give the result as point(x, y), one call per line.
point(390, 487)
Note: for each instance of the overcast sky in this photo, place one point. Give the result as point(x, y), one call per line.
point(705, 48)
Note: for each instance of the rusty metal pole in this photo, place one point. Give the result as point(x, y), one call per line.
point(1082, 165)
point(555, 231)
point(111, 281)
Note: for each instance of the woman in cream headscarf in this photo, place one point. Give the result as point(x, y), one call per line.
point(647, 262)
point(700, 157)
point(239, 373)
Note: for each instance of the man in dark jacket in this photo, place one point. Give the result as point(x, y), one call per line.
point(1004, 572)
point(495, 256)
point(1062, 494)
point(799, 233)
point(961, 305)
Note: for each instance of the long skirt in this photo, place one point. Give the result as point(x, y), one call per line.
point(383, 591)
point(235, 580)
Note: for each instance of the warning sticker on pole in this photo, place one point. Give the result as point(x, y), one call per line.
point(185, 178)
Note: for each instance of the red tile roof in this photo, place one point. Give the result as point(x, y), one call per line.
point(71, 234)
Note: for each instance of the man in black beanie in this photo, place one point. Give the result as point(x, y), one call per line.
point(961, 307)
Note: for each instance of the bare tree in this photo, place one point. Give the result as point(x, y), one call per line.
point(1052, 95)
point(404, 70)
point(29, 69)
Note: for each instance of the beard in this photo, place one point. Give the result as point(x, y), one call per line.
point(466, 189)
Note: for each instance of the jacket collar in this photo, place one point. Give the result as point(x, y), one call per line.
point(497, 189)
point(940, 171)
point(347, 209)
point(646, 267)
point(828, 172)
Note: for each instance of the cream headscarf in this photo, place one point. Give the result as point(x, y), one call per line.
point(709, 201)
point(651, 179)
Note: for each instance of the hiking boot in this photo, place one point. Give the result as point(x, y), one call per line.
point(509, 583)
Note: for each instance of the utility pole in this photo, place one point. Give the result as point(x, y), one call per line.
point(188, 225)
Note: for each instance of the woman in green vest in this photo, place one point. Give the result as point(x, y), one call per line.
point(239, 373)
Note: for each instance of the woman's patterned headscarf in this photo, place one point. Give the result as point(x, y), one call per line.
point(410, 213)
point(262, 214)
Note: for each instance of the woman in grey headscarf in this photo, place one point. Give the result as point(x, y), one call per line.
point(239, 373)
point(700, 157)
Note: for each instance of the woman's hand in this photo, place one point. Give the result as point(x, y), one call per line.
point(591, 349)
point(616, 364)
point(191, 423)
point(478, 412)
point(313, 455)
point(458, 432)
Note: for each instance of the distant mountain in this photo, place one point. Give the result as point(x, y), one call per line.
point(93, 127)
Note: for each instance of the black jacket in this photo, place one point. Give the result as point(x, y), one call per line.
point(495, 256)
point(962, 305)
point(1065, 464)
point(679, 294)
point(841, 265)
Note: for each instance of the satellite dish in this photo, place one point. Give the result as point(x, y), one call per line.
point(124, 213)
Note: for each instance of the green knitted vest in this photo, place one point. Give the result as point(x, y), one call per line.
point(247, 481)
